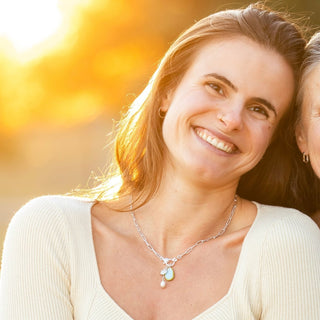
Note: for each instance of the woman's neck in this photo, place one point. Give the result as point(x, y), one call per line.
point(181, 214)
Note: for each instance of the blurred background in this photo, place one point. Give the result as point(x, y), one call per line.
point(67, 70)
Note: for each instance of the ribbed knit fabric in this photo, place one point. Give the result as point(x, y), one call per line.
point(49, 268)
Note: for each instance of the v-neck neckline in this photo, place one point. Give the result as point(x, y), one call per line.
point(126, 316)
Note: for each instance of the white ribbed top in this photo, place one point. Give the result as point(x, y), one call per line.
point(49, 268)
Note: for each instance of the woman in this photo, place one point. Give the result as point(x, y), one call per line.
point(308, 130)
point(168, 237)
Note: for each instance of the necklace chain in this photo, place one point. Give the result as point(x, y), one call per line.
point(170, 262)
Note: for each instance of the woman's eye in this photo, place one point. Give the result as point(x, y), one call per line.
point(216, 88)
point(260, 111)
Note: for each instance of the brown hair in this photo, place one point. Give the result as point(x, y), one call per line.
point(305, 185)
point(139, 146)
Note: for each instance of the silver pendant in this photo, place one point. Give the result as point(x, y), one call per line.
point(167, 275)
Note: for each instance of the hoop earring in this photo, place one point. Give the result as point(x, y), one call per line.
point(305, 157)
point(161, 113)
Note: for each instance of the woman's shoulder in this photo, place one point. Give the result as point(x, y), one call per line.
point(58, 201)
point(55, 203)
point(42, 249)
point(287, 225)
point(278, 231)
point(289, 262)
point(49, 212)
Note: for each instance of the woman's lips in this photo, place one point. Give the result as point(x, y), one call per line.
point(216, 142)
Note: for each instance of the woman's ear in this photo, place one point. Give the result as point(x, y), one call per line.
point(166, 101)
point(301, 139)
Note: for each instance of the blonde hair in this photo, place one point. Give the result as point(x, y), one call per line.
point(310, 61)
point(304, 184)
point(139, 146)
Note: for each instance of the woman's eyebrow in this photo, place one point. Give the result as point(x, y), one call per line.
point(223, 79)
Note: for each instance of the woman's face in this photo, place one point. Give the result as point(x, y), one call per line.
point(221, 117)
point(308, 130)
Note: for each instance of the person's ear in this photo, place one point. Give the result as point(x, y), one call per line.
point(301, 139)
point(166, 101)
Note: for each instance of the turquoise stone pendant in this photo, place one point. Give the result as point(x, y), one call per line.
point(167, 274)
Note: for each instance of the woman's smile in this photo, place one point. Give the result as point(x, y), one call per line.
point(214, 141)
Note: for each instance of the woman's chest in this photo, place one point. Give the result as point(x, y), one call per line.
point(197, 282)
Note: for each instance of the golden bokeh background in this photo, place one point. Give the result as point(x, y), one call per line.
point(67, 68)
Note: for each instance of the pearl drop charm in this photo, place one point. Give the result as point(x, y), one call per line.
point(162, 284)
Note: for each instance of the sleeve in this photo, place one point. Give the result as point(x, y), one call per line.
point(291, 270)
point(35, 277)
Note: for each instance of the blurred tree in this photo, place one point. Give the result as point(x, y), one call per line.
point(107, 57)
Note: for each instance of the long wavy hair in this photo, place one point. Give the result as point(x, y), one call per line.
point(139, 146)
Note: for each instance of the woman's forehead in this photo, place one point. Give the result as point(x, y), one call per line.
point(311, 88)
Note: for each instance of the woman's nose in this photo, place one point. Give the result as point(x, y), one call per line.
point(231, 118)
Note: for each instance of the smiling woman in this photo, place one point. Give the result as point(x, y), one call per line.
point(27, 23)
point(168, 235)
point(217, 105)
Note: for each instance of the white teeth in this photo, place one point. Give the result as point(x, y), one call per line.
point(214, 141)
point(220, 145)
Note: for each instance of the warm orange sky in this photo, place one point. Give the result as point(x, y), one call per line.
point(67, 61)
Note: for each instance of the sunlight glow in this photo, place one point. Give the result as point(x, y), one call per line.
point(26, 23)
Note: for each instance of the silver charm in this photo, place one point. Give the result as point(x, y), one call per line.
point(167, 275)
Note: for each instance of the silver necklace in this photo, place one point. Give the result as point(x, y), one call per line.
point(167, 272)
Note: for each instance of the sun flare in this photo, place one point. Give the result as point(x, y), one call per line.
point(26, 23)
